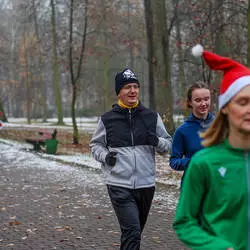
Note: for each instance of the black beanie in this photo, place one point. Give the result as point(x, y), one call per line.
point(123, 78)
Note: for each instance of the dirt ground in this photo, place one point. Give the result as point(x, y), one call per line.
point(64, 137)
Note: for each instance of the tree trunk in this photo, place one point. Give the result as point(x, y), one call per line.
point(167, 89)
point(74, 76)
point(40, 66)
point(106, 83)
point(73, 115)
point(150, 50)
point(163, 63)
point(131, 56)
point(26, 80)
point(2, 113)
point(221, 48)
point(181, 73)
point(55, 66)
point(248, 31)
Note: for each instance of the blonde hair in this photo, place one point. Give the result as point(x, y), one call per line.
point(217, 131)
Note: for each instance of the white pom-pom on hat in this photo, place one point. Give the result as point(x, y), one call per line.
point(235, 75)
point(197, 50)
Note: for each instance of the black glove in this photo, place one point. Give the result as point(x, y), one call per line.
point(153, 139)
point(110, 158)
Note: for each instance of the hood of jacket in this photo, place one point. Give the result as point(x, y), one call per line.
point(203, 123)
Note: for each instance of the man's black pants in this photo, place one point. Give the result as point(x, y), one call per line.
point(131, 207)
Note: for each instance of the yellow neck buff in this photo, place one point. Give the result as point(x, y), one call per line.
point(121, 104)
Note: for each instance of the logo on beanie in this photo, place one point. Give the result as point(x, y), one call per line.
point(129, 74)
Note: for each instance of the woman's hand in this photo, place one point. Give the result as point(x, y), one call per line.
point(230, 248)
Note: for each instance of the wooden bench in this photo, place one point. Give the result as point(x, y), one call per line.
point(39, 140)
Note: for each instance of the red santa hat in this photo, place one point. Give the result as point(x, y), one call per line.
point(235, 75)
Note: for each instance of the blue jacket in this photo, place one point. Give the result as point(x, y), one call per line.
point(186, 141)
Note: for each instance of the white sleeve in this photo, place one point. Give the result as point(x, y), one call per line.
point(98, 143)
point(165, 140)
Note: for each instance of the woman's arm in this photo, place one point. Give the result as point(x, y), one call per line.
point(177, 162)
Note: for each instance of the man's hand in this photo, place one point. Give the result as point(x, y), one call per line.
point(110, 158)
point(230, 248)
point(152, 139)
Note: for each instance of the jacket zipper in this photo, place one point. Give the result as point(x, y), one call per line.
point(248, 199)
point(131, 131)
point(132, 139)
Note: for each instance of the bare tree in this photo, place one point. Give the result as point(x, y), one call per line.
point(248, 31)
point(76, 68)
point(55, 65)
point(40, 65)
point(150, 50)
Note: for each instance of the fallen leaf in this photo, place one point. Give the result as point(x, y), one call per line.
point(155, 237)
point(31, 231)
point(64, 240)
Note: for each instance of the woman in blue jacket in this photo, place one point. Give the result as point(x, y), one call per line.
point(186, 139)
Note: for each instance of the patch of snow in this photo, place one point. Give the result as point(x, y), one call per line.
point(13, 155)
point(165, 174)
point(88, 124)
point(18, 158)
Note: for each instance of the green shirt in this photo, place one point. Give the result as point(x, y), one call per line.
point(51, 146)
point(213, 210)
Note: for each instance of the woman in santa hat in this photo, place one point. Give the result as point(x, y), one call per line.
point(214, 205)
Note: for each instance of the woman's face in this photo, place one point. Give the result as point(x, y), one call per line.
point(200, 102)
point(238, 112)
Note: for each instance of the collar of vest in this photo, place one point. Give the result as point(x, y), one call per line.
point(118, 108)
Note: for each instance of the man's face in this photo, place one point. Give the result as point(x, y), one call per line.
point(129, 94)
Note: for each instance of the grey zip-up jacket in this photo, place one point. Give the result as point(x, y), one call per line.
point(125, 131)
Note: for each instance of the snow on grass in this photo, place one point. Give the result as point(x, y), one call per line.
point(13, 155)
point(83, 123)
point(164, 175)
